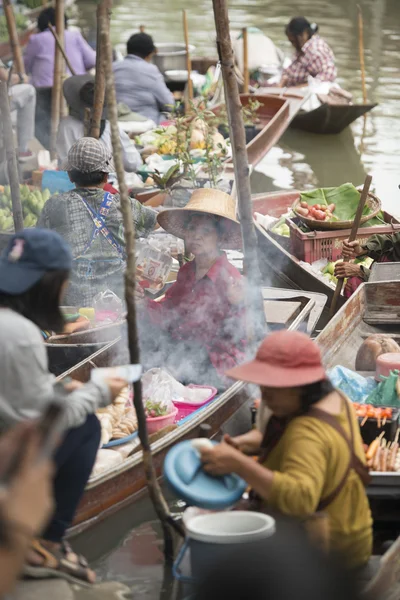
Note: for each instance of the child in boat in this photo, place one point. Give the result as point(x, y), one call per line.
point(311, 455)
point(198, 329)
point(34, 270)
point(313, 58)
point(382, 248)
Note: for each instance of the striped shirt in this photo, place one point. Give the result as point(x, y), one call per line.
point(315, 59)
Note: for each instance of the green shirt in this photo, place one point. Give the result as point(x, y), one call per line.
point(379, 246)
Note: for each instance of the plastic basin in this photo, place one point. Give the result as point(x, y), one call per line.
point(156, 423)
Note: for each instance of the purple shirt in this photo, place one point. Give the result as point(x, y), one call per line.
point(39, 56)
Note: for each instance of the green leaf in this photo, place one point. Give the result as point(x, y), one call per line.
point(346, 198)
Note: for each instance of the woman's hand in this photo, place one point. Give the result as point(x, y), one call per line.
point(352, 249)
point(221, 459)
point(249, 443)
point(346, 269)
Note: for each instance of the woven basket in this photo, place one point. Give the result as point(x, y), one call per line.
point(373, 203)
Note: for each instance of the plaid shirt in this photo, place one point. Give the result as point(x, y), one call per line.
point(100, 267)
point(315, 59)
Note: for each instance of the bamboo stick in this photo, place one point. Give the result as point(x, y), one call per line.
point(56, 97)
point(19, 66)
point(255, 309)
point(362, 53)
point(12, 161)
point(103, 20)
point(188, 59)
point(245, 61)
point(61, 48)
point(155, 493)
point(353, 235)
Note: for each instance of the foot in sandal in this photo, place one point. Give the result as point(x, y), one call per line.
point(48, 559)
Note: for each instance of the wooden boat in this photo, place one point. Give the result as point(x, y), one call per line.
point(112, 490)
point(330, 118)
point(277, 258)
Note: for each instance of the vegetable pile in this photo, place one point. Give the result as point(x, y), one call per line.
point(155, 409)
point(32, 204)
point(328, 271)
point(320, 212)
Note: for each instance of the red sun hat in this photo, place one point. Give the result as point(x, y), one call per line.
point(285, 359)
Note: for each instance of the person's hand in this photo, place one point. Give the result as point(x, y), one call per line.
point(351, 249)
point(73, 385)
point(139, 293)
point(346, 269)
point(248, 444)
point(235, 288)
point(220, 460)
point(115, 385)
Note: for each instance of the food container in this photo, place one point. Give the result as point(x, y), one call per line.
point(130, 373)
point(156, 423)
point(171, 57)
point(186, 408)
point(385, 363)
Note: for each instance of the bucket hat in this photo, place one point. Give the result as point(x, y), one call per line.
point(285, 359)
point(79, 94)
point(206, 201)
point(28, 256)
point(88, 155)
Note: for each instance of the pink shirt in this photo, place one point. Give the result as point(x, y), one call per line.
point(315, 59)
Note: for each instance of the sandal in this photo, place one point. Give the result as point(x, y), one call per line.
point(59, 564)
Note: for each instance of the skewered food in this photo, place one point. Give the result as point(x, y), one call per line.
point(384, 456)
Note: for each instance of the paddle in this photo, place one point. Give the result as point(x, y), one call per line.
point(61, 48)
point(188, 61)
point(353, 235)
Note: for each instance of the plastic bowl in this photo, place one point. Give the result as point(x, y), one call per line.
point(185, 408)
point(156, 423)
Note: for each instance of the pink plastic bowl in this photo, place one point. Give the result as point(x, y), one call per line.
point(185, 409)
point(156, 423)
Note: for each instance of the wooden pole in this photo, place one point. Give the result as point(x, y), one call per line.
point(19, 66)
point(160, 505)
point(61, 48)
point(255, 311)
point(245, 61)
point(362, 53)
point(56, 97)
point(103, 22)
point(12, 161)
point(188, 60)
point(353, 235)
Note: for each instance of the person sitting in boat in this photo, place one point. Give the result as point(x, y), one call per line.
point(313, 58)
point(197, 330)
point(311, 455)
point(90, 220)
point(138, 83)
point(34, 270)
point(381, 248)
point(79, 94)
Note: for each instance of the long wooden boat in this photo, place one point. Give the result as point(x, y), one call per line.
point(330, 118)
point(113, 489)
point(278, 259)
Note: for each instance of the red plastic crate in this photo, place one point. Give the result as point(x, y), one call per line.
point(312, 246)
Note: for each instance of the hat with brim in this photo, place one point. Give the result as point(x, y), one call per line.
point(88, 155)
point(72, 89)
point(126, 114)
point(205, 201)
point(260, 373)
point(17, 279)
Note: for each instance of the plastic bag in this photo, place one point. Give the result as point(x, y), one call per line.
point(355, 386)
point(161, 387)
point(108, 307)
point(385, 394)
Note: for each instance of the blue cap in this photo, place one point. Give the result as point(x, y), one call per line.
point(28, 256)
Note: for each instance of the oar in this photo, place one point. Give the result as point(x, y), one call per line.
point(245, 61)
point(188, 61)
point(61, 48)
point(353, 235)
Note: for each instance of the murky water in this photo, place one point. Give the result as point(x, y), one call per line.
point(300, 160)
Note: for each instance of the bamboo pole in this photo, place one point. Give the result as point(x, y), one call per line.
point(61, 49)
point(19, 66)
point(188, 59)
point(362, 53)
point(103, 21)
point(245, 61)
point(12, 161)
point(353, 235)
point(255, 312)
point(160, 505)
point(56, 96)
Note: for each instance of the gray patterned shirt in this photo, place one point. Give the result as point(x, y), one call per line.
point(98, 267)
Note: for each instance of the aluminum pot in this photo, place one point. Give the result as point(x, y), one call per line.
point(171, 57)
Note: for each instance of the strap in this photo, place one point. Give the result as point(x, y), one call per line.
point(100, 226)
point(354, 462)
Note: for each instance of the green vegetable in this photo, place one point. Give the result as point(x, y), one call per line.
point(32, 205)
point(346, 198)
point(281, 228)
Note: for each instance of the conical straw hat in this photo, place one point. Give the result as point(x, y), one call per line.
point(205, 201)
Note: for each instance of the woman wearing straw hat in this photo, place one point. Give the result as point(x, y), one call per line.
point(311, 455)
point(197, 330)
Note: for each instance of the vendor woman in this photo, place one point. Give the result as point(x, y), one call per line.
point(311, 455)
point(313, 57)
point(381, 248)
point(197, 330)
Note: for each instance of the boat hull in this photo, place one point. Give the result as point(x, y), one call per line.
point(330, 119)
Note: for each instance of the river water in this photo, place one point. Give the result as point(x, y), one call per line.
point(128, 548)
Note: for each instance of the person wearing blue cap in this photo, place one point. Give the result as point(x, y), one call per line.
point(34, 271)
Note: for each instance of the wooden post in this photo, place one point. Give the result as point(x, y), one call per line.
point(12, 161)
point(353, 235)
point(160, 505)
point(61, 49)
point(56, 97)
point(255, 310)
point(362, 53)
point(188, 60)
point(245, 61)
point(19, 66)
point(103, 21)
